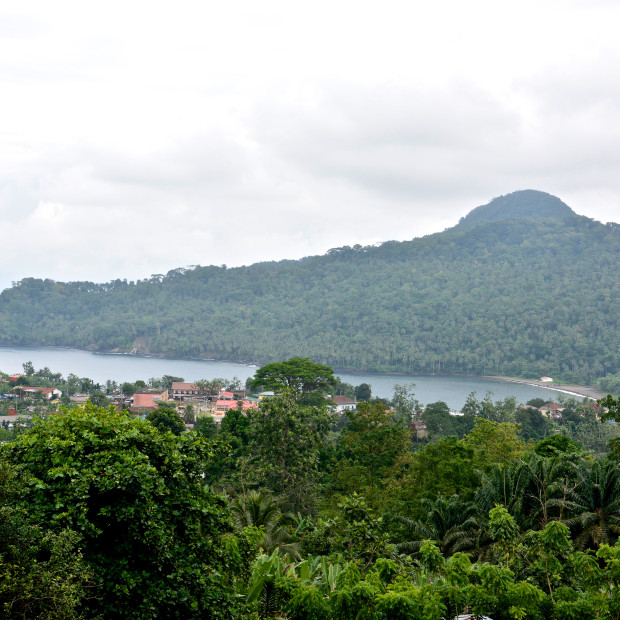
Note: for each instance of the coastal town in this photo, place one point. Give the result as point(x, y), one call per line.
point(21, 398)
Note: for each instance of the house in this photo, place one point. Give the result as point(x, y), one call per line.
point(218, 416)
point(236, 395)
point(17, 418)
point(596, 408)
point(223, 405)
point(344, 404)
point(182, 391)
point(552, 410)
point(48, 393)
point(147, 399)
point(79, 398)
point(419, 427)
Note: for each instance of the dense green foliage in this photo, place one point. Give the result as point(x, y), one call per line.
point(291, 511)
point(165, 419)
point(301, 376)
point(526, 203)
point(284, 449)
point(158, 542)
point(523, 296)
point(42, 573)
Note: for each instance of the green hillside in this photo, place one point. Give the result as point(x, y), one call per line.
point(534, 293)
point(527, 203)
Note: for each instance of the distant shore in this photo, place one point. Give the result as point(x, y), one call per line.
point(573, 390)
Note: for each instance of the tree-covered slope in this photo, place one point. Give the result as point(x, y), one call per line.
point(516, 296)
point(528, 203)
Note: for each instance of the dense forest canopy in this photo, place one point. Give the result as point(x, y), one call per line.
point(521, 286)
point(526, 203)
point(291, 510)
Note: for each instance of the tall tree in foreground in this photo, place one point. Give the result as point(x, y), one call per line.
point(301, 376)
point(284, 448)
point(159, 543)
point(42, 573)
point(494, 443)
point(371, 445)
point(611, 412)
point(595, 503)
point(261, 511)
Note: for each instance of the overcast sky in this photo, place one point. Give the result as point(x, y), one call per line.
point(136, 139)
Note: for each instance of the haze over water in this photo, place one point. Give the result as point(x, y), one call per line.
point(99, 367)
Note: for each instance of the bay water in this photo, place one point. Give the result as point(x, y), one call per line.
point(451, 389)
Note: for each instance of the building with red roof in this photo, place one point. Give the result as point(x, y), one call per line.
point(344, 404)
point(181, 390)
point(148, 399)
point(48, 393)
point(224, 405)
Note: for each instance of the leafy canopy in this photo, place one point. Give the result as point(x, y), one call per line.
point(166, 419)
point(286, 438)
point(159, 543)
point(299, 374)
point(42, 573)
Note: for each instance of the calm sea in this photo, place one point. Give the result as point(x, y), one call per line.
point(100, 367)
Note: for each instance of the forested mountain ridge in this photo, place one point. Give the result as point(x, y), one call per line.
point(523, 296)
point(526, 203)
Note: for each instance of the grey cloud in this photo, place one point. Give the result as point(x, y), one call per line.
point(397, 142)
point(207, 159)
point(92, 176)
point(452, 147)
point(364, 165)
point(19, 26)
point(83, 60)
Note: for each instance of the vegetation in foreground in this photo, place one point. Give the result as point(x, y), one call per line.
point(290, 511)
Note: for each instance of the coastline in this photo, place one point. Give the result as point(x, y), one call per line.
point(118, 352)
point(572, 390)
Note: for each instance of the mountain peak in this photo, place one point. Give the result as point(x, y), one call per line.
point(527, 203)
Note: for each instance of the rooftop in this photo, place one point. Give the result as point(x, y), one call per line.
point(343, 400)
point(178, 385)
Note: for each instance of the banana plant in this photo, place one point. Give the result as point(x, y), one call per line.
point(316, 570)
point(268, 569)
point(262, 590)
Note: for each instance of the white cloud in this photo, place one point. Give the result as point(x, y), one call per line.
point(47, 216)
point(139, 137)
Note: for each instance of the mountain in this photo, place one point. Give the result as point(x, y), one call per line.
point(521, 286)
point(528, 203)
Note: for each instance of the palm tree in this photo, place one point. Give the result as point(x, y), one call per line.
point(260, 510)
point(445, 516)
point(548, 482)
point(504, 486)
point(595, 505)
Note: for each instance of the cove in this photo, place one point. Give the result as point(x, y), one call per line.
point(451, 389)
